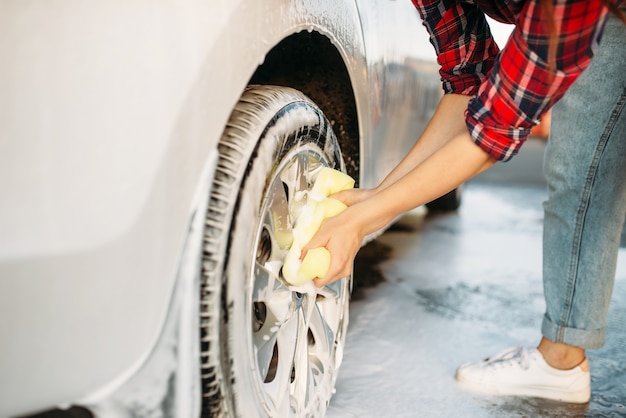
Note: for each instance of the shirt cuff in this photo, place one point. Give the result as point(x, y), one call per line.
point(501, 143)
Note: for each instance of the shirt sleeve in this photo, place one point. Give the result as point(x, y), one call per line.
point(523, 85)
point(463, 43)
point(514, 87)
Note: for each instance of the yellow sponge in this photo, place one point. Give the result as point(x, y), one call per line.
point(318, 207)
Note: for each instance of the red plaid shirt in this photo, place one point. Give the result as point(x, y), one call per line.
point(513, 88)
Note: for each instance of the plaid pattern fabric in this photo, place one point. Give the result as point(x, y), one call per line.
point(514, 87)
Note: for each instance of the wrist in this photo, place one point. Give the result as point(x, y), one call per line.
point(368, 217)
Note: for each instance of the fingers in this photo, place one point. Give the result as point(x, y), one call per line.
point(351, 196)
point(343, 196)
point(342, 239)
point(321, 237)
point(341, 261)
point(331, 277)
point(340, 266)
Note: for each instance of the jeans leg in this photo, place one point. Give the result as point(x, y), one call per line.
point(585, 167)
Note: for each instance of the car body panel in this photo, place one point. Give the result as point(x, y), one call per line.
point(403, 79)
point(109, 113)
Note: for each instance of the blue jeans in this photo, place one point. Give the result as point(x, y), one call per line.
point(585, 168)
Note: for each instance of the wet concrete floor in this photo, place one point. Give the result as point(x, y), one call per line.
point(438, 290)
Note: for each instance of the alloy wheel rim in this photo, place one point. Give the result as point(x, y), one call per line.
point(295, 332)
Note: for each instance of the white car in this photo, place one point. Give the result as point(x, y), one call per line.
point(151, 154)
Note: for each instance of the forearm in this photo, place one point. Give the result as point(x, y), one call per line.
point(455, 162)
point(446, 157)
point(447, 122)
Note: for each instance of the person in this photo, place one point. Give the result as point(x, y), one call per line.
point(492, 99)
point(584, 166)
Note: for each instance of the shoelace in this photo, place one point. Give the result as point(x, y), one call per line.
point(517, 355)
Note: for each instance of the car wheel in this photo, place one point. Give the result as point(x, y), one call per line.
point(268, 349)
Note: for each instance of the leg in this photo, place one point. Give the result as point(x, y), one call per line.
point(585, 167)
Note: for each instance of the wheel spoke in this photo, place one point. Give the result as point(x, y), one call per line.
point(331, 291)
point(296, 180)
point(286, 344)
point(277, 329)
point(303, 383)
point(331, 300)
point(289, 178)
point(275, 300)
point(323, 334)
point(303, 172)
point(264, 342)
point(278, 219)
point(266, 281)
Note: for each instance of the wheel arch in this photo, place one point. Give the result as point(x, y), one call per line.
point(309, 62)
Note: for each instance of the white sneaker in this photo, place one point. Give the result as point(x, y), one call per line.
point(521, 372)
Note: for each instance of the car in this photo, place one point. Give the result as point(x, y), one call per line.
point(151, 157)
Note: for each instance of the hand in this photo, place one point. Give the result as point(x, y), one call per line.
point(352, 196)
point(342, 236)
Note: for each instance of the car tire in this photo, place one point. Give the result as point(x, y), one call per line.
point(450, 201)
point(267, 349)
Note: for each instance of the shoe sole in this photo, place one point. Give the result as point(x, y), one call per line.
point(580, 396)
